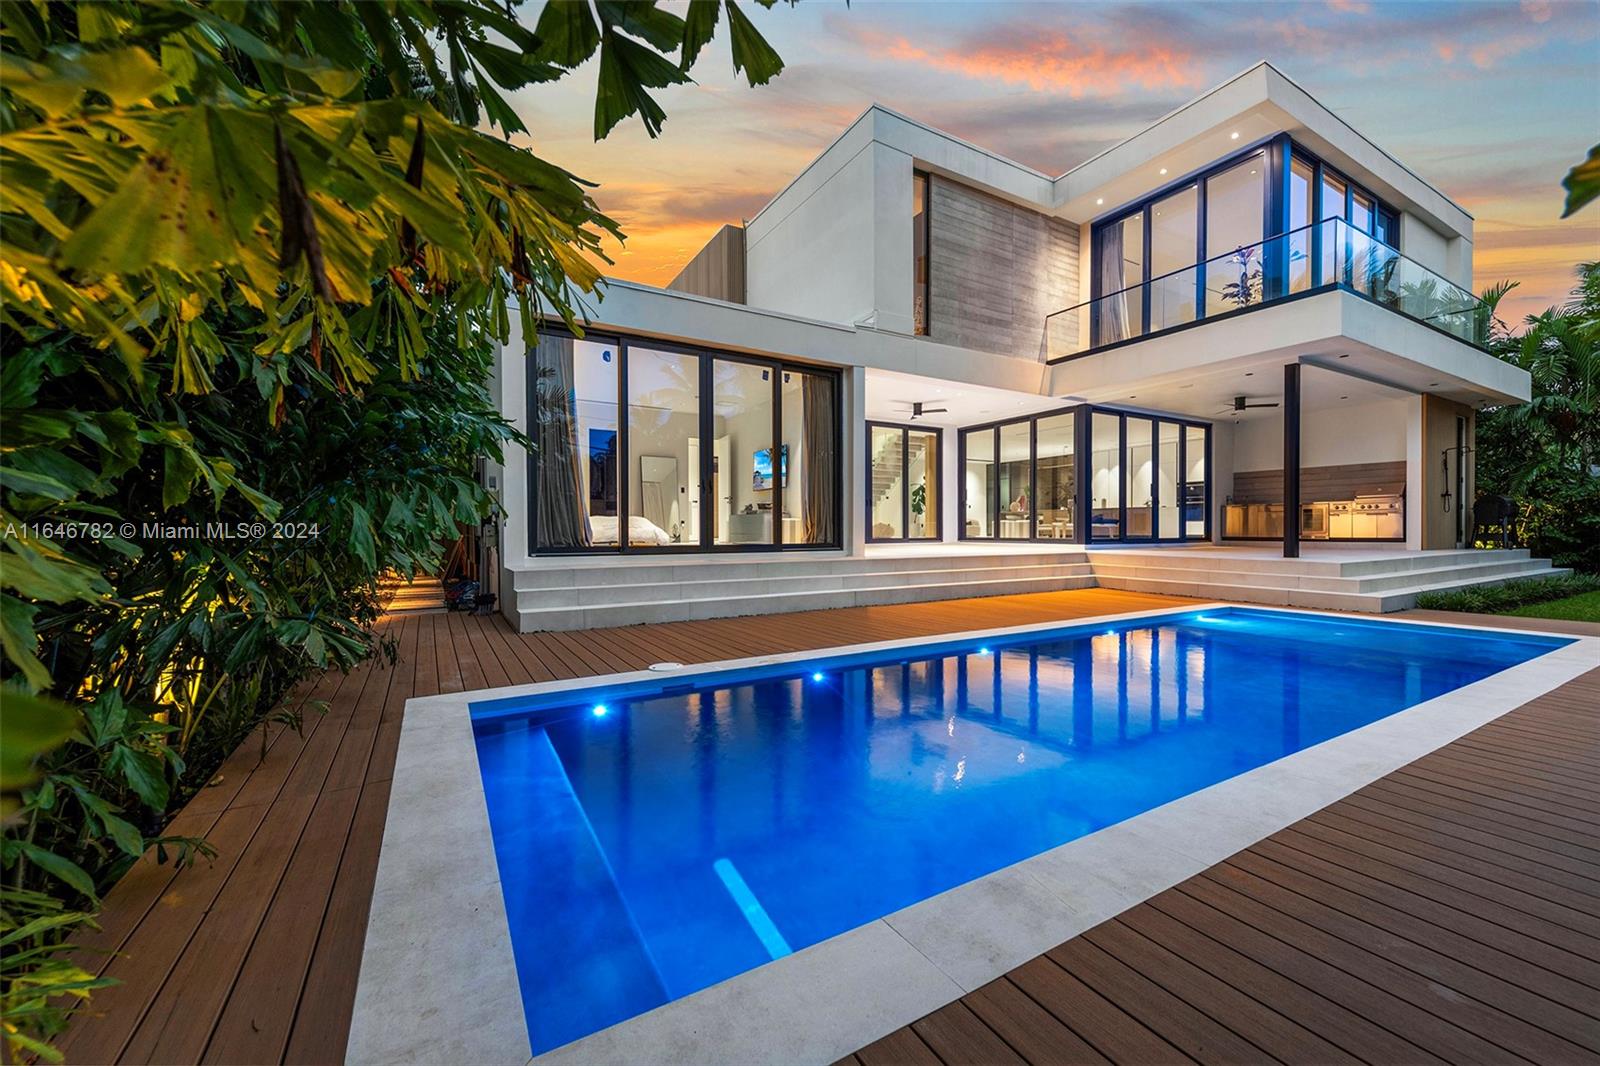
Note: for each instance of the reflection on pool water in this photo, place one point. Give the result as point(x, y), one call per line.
point(652, 843)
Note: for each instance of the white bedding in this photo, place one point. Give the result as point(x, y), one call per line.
point(603, 530)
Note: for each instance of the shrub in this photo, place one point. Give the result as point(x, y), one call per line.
point(1497, 599)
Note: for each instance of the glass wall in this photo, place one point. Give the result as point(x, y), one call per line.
point(810, 469)
point(691, 462)
point(1174, 226)
point(980, 485)
point(1057, 465)
point(922, 484)
point(1142, 477)
point(747, 471)
point(1016, 481)
point(886, 482)
point(1138, 460)
point(1235, 219)
point(1168, 437)
point(573, 411)
point(664, 443)
point(1105, 476)
point(1215, 233)
point(1195, 481)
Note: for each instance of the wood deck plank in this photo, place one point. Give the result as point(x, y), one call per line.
point(1464, 882)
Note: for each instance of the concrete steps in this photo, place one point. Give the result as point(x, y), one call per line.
point(1358, 584)
point(583, 597)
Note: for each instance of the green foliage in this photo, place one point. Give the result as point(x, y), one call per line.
point(1582, 182)
point(1545, 454)
point(1584, 607)
point(1501, 599)
point(258, 256)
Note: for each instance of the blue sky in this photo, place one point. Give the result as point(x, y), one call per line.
point(1491, 102)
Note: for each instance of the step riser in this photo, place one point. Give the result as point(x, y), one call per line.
point(634, 614)
point(554, 576)
point(1317, 582)
point(666, 592)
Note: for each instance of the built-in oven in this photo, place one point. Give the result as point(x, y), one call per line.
point(1314, 521)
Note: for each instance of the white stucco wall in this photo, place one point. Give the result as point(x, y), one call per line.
point(1373, 432)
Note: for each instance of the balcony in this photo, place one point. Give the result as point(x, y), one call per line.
point(1321, 257)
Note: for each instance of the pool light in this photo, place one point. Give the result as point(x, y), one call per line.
point(600, 710)
point(983, 651)
point(816, 677)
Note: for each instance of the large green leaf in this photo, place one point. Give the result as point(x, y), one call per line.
point(627, 68)
point(1582, 182)
point(34, 725)
point(567, 33)
point(751, 52)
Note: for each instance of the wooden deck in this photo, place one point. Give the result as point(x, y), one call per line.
point(1448, 912)
point(1451, 909)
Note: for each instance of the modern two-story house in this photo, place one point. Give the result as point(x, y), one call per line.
point(1236, 355)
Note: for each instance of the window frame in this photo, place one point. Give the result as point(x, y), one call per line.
point(906, 429)
point(707, 356)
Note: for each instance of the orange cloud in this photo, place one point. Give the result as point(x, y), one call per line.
point(1351, 7)
point(1051, 61)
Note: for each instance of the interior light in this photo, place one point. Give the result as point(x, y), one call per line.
point(1234, 136)
point(1098, 200)
point(599, 710)
point(1163, 170)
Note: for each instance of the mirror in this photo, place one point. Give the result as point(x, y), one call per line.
point(659, 491)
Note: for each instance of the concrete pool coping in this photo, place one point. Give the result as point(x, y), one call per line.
point(438, 979)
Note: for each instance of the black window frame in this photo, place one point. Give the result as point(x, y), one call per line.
point(1081, 525)
point(707, 356)
point(906, 429)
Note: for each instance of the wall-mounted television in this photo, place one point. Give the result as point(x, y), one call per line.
point(761, 479)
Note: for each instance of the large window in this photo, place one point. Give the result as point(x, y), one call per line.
point(1105, 476)
point(980, 485)
point(1057, 467)
point(664, 446)
point(1016, 482)
point(572, 390)
point(919, 252)
point(1205, 246)
point(902, 482)
point(704, 450)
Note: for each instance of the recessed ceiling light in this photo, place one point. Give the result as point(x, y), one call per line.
point(1249, 373)
point(1433, 384)
point(1163, 170)
point(1099, 200)
point(1252, 172)
point(1346, 355)
point(1344, 397)
point(1133, 397)
point(1234, 136)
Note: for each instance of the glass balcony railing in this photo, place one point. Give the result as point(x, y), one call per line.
point(1330, 254)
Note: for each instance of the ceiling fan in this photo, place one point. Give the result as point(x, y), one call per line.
point(1242, 403)
point(918, 409)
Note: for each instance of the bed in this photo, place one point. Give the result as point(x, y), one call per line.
point(603, 530)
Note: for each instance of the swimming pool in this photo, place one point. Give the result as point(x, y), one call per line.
point(652, 841)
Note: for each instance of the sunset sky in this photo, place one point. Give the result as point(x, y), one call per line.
point(1491, 102)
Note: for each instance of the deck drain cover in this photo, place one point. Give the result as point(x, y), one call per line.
point(665, 667)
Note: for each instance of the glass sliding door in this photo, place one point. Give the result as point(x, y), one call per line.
point(573, 412)
point(1016, 481)
point(980, 483)
point(1174, 235)
point(810, 469)
point(1138, 460)
point(746, 469)
point(1119, 272)
point(1194, 482)
point(922, 484)
point(886, 482)
point(664, 449)
point(1168, 436)
point(1105, 476)
point(1057, 465)
point(1301, 176)
point(1235, 219)
point(1331, 206)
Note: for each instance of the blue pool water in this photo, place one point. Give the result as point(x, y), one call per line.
point(655, 841)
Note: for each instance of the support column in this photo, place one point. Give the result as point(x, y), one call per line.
point(1291, 461)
